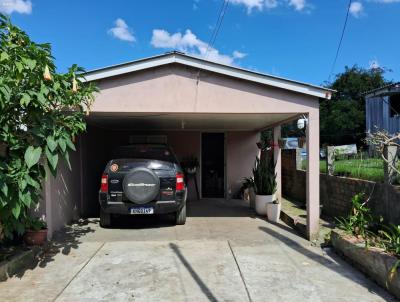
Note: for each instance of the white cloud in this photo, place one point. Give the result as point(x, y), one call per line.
point(122, 31)
point(298, 4)
point(188, 42)
point(250, 4)
point(271, 3)
point(356, 8)
point(18, 6)
point(238, 55)
point(374, 64)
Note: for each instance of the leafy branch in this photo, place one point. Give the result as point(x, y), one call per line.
point(42, 112)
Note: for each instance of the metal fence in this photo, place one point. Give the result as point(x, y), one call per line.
point(362, 165)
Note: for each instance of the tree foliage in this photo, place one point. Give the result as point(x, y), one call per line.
point(42, 111)
point(342, 118)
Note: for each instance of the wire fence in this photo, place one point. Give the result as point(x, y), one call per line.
point(363, 165)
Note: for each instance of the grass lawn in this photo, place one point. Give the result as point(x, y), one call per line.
point(368, 169)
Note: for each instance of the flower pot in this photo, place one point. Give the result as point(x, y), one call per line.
point(261, 203)
point(32, 237)
point(273, 211)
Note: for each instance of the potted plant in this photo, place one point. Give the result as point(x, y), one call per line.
point(264, 183)
point(190, 164)
point(36, 231)
point(248, 190)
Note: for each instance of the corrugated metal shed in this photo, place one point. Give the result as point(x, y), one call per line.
point(378, 109)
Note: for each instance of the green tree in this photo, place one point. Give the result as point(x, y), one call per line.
point(342, 118)
point(42, 111)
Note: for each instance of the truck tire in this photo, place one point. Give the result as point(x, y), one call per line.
point(181, 215)
point(105, 219)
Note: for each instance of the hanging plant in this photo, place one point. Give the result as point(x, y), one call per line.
point(301, 141)
point(281, 143)
point(37, 124)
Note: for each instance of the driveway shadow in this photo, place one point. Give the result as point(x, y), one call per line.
point(337, 267)
point(64, 241)
point(219, 207)
point(207, 292)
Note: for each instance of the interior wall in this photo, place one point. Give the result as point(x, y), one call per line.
point(98, 144)
point(241, 151)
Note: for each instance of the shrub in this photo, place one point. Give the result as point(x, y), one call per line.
point(41, 113)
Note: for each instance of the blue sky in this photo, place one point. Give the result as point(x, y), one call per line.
point(296, 39)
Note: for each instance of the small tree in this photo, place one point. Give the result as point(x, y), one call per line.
point(41, 113)
point(381, 139)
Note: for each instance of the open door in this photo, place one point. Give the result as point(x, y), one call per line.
point(213, 165)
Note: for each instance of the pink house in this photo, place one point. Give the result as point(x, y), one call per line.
point(203, 109)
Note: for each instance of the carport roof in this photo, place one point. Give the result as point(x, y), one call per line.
point(202, 64)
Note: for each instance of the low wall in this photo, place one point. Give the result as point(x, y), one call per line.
point(336, 192)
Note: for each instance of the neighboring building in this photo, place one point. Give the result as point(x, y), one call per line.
point(382, 109)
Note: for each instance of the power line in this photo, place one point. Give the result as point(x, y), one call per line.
point(214, 35)
point(340, 41)
point(217, 26)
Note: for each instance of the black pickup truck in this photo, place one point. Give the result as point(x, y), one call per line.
point(142, 179)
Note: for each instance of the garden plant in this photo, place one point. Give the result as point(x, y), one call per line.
point(42, 112)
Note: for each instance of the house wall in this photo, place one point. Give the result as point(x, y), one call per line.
point(61, 196)
point(174, 88)
point(241, 151)
point(377, 110)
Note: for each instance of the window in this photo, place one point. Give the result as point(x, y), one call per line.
point(394, 104)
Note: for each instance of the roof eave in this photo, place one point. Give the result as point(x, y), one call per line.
point(179, 58)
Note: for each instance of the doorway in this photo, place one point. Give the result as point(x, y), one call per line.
point(213, 165)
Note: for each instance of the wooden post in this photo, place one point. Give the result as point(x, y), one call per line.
point(299, 159)
point(390, 153)
point(330, 160)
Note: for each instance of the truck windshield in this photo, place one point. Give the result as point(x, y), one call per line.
point(146, 152)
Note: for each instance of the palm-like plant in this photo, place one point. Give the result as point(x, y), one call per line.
point(264, 176)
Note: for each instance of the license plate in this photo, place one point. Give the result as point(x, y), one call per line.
point(142, 211)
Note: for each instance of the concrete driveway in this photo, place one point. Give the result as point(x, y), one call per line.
point(223, 253)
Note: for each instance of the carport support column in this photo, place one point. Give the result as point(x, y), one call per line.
point(277, 159)
point(313, 175)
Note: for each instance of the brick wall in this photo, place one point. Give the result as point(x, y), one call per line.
point(336, 192)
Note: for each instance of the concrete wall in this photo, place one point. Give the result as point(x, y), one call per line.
point(336, 192)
